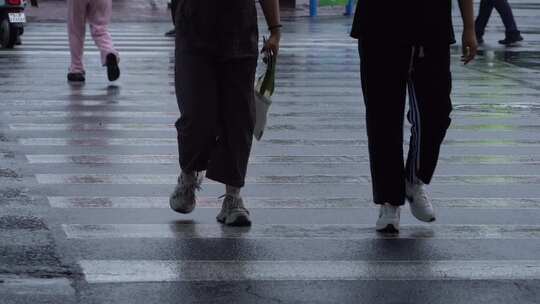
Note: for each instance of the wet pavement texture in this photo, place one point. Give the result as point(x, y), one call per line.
point(85, 172)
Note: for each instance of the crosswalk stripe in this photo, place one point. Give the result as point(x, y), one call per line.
point(167, 179)
point(173, 159)
point(89, 114)
point(89, 159)
point(286, 203)
point(62, 43)
point(102, 142)
point(337, 231)
point(115, 271)
point(271, 127)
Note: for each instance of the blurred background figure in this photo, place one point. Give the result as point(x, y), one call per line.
point(513, 35)
point(98, 14)
point(172, 5)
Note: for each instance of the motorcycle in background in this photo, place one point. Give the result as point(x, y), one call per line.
point(12, 20)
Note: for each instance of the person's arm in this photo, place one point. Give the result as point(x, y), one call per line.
point(470, 45)
point(273, 20)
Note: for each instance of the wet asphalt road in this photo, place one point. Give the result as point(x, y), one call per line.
point(86, 171)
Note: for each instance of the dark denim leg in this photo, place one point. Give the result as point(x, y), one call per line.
point(486, 7)
point(507, 16)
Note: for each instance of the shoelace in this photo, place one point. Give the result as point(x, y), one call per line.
point(423, 195)
point(232, 202)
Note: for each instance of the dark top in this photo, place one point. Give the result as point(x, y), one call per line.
point(404, 21)
point(222, 28)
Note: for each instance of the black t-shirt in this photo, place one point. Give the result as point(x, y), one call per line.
point(222, 28)
point(404, 21)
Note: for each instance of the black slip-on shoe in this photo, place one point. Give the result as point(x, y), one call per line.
point(76, 77)
point(511, 39)
point(171, 33)
point(113, 71)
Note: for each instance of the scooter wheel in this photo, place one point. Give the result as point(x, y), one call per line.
point(8, 34)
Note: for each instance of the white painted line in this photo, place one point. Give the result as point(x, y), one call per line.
point(330, 232)
point(61, 42)
point(285, 203)
point(160, 51)
point(272, 127)
point(91, 114)
point(96, 141)
point(16, 285)
point(92, 127)
point(168, 179)
point(173, 159)
point(85, 103)
point(133, 53)
point(114, 271)
point(90, 159)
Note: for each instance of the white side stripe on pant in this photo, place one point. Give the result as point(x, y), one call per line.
point(415, 121)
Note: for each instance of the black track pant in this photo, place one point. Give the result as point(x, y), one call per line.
point(174, 5)
point(216, 101)
point(388, 74)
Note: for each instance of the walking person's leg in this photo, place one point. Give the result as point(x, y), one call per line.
point(430, 107)
point(512, 33)
point(197, 97)
point(484, 13)
point(174, 5)
point(228, 162)
point(76, 24)
point(384, 97)
point(99, 17)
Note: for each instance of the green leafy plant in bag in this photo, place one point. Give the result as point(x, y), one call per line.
point(264, 89)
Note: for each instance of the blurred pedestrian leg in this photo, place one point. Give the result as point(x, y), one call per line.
point(173, 5)
point(98, 14)
point(505, 11)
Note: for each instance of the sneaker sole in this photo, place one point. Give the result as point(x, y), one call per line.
point(182, 211)
point(390, 228)
point(238, 221)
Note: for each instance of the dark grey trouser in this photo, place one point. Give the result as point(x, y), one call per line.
point(388, 73)
point(504, 9)
point(216, 101)
point(174, 5)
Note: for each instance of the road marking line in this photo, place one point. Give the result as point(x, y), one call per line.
point(114, 271)
point(169, 179)
point(91, 159)
point(326, 231)
point(286, 203)
point(103, 142)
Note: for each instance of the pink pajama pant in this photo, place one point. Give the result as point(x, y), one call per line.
point(98, 14)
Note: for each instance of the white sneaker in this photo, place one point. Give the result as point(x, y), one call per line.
point(419, 202)
point(233, 212)
point(183, 198)
point(388, 221)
